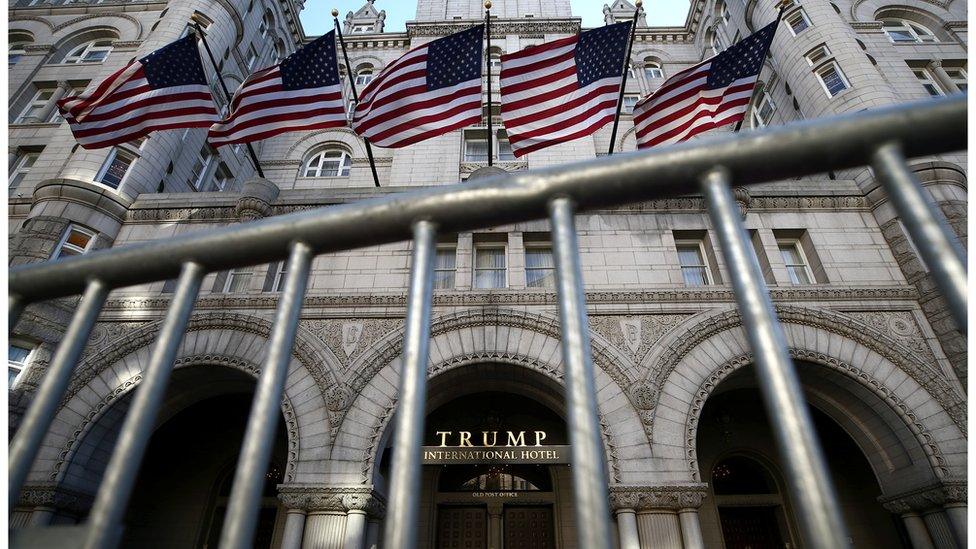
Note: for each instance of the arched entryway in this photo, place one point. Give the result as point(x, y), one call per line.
point(504, 501)
point(184, 484)
point(749, 504)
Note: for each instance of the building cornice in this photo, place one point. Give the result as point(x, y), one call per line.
point(522, 27)
point(671, 497)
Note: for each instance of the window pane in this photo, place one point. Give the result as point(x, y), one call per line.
point(690, 256)
point(476, 150)
point(78, 238)
point(17, 354)
point(116, 171)
point(790, 255)
point(694, 276)
point(239, 281)
point(505, 150)
point(798, 275)
point(539, 268)
point(490, 258)
point(489, 268)
point(444, 268)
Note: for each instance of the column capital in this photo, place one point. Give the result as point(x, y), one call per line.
point(947, 492)
point(935, 63)
point(64, 85)
point(671, 497)
point(56, 497)
point(321, 497)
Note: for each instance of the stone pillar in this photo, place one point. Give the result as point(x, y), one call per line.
point(63, 89)
point(917, 532)
point(938, 525)
point(42, 516)
point(294, 529)
point(355, 529)
point(495, 526)
point(373, 534)
point(324, 529)
point(627, 529)
point(691, 534)
point(662, 517)
point(945, 82)
point(256, 198)
point(958, 522)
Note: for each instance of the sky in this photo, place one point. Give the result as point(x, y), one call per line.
point(317, 18)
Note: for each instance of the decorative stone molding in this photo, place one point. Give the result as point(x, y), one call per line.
point(743, 199)
point(98, 198)
point(926, 498)
point(321, 497)
point(541, 27)
point(925, 439)
point(672, 497)
point(60, 498)
point(257, 195)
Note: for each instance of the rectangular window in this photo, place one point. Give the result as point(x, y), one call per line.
point(832, 79)
point(114, 168)
point(490, 269)
point(281, 268)
point(238, 280)
point(737, 37)
point(476, 146)
point(252, 57)
point(629, 101)
point(928, 82)
point(798, 21)
point(31, 114)
point(358, 29)
point(76, 241)
point(504, 148)
point(724, 12)
point(200, 170)
point(818, 54)
point(17, 358)
point(959, 77)
point(445, 267)
point(796, 262)
point(56, 117)
point(540, 270)
point(694, 262)
point(763, 110)
point(20, 169)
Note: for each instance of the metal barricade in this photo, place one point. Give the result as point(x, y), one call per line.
point(882, 138)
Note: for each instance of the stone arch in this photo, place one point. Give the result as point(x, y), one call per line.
point(371, 60)
point(931, 10)
point(128, 28)
point(105, 411)
point(300, 149)
point(925, 429)
point(28, 26)
point(480, 336)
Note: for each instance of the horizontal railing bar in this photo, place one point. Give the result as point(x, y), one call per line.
point(804, 148)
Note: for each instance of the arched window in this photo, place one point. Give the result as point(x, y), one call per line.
point(364, 75)
point(653, 69)
point(903, 31)
point(18, 42)
point(91, 52)
point(329, 162)
point(715, 42)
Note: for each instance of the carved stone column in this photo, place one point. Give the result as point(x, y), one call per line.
point(664, 517)
point(294, 529)
point(934, 515)
point(359, 508)
point(63, 89)
point(495, 526)
point(373, 534)
point(257, 195)
point(945, 81)
point(327, 517)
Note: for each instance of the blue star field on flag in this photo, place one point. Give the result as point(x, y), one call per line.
point(600, 53)
point(313, 66)
point(742, 59)
point(176, 64)
point(454, 59)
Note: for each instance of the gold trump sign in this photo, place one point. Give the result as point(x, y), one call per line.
point(491, 447)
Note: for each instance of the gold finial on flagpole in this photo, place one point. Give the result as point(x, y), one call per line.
point(335, 12)
point(638, 3)
point(487, 4)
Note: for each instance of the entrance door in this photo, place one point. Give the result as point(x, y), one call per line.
point(528, 527)
point(462, 527)
point(750, 528)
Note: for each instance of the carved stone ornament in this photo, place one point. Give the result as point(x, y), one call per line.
point(672, 497)
point(947, 492)
point(321, 497)
point(257, 195)
point(58, 497)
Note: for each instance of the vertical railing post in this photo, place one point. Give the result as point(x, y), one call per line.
point(403, 507)
point(590, 482)
point(806, 471)
point(105, 519)
point(933, 238)
point(242, 511)
point(40, 414)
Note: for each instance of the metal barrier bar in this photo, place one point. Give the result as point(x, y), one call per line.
point(805, 148)
point(105, 519)
point(932, 236)
point(590, 482)
point(39, 416)
point(242, 511)
point(400, 529)
point(806, 471)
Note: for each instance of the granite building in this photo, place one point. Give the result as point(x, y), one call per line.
point(688, 447)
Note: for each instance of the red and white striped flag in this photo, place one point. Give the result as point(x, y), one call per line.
point(164, 90)
point(562, 90)
point(709, 95)
point(430, 91)
point(303, 92)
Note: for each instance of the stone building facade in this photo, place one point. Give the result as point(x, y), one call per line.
point(688, 448)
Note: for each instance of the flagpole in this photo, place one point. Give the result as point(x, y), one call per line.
point(623, 84)
point(488, 58)
point(779, 17)
point(227, 95)
point(355, 94)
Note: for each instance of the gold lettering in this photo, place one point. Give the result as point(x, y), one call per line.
point(539, 437)
point(516, 441)
point(465, 438)
point(443, 435)
point(484, 438)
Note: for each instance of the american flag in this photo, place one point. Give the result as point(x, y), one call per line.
point(303, 92)
point(709, 95)
point(164, 90)
point(562, 90)
point(430, 91)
